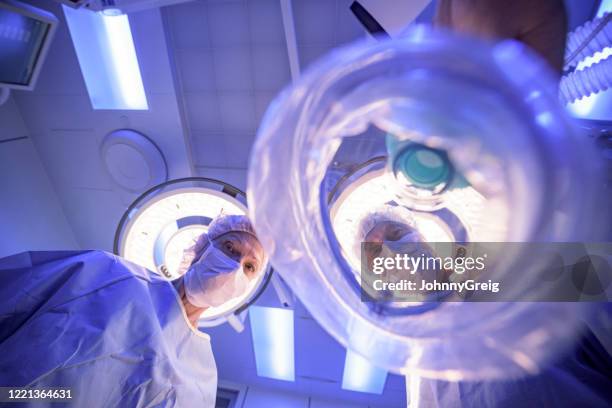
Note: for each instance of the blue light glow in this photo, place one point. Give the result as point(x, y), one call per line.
point(272, 330)
point(585, 106)
point(105, 49)
point(604, 7)
point(360, 375)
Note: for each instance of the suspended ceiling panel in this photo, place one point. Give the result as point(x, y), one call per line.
point(231, 61)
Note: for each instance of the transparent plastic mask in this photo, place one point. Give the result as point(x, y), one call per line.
point(467, 137)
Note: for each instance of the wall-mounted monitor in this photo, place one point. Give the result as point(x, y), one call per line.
point(25, 35)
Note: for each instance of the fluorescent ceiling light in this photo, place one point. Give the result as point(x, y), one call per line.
point(360, 375)
point(105, 49)
point(272, 330)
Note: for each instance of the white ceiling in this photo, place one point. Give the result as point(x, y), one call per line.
point(231, 60)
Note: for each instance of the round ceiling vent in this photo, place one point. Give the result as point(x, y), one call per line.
point(133, 161)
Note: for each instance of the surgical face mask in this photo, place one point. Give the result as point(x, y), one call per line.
point(214, 279)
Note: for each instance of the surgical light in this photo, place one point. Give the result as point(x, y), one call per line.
point(273, 339)
point(167, 219)
point(150, 238)
point(107, 57)
point(464, 207)
point(360, 375)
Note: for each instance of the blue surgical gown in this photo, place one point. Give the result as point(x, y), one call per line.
point(111, 331)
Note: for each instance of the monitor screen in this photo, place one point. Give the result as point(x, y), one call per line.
point(22, 38)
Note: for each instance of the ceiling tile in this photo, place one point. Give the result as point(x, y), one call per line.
point(209, 149)
point(238, 148)
point(228, 24)
point(233, 69)
point(321, 344)
point(347, 26)
point(42, 112)
point(237, 112)
point(197, 70)
point(189, 25)
point(314, 21)
point(260, 397)
point(262, 102)
point(150, 41)
point(309, 54)
point(266, 22)
point(203, 111)
point(236, 177)
point(270, 68)
point(316, 403)
point(395, 382)
point(233, 351)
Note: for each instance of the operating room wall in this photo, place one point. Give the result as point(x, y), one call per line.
point(31, 217)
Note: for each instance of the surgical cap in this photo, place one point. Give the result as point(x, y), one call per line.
point(387, 213)
point(230, 223)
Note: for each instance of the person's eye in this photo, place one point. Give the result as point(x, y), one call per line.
point(228, 246)
point(395, 234)
point(249, 267)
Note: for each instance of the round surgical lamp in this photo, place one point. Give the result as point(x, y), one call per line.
point(167, 219)
point(368, 187)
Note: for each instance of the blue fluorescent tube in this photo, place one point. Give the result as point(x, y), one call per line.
point(107, 57)
point(360, 375)
point(272, 330)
